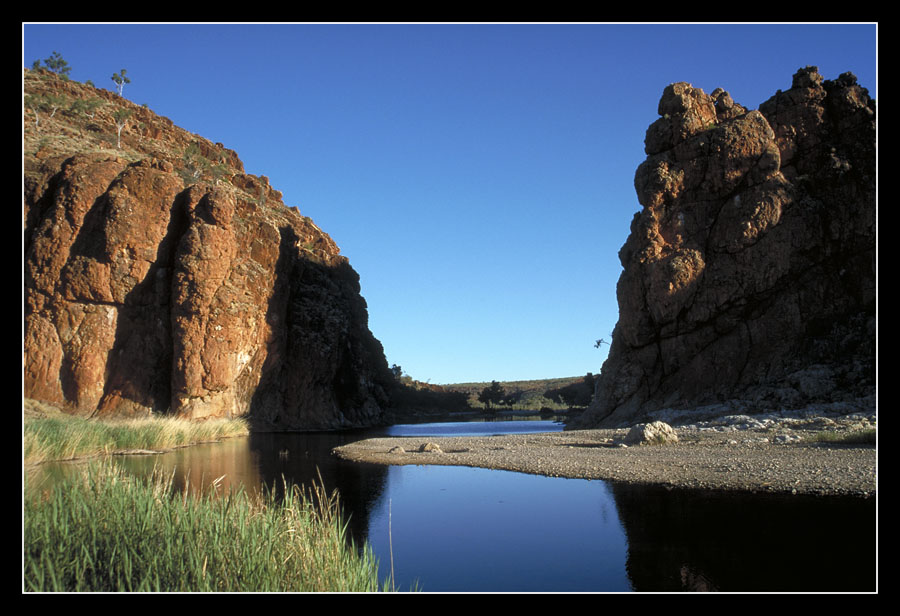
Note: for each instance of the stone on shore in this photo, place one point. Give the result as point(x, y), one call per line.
point(654, 433)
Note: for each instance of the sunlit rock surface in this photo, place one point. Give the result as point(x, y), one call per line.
point(749, 274)
point(161, 278)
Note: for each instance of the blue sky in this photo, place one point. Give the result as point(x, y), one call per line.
point(479, 177)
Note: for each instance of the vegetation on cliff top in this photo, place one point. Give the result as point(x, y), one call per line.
point(64, 117)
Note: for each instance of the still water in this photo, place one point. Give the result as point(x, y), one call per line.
point(457, 529)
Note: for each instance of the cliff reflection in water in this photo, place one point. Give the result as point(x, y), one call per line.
point(690, 540)
point(306, 459)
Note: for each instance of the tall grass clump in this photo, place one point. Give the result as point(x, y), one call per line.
point(865, 436)
point(64, 437)
point(106, 531)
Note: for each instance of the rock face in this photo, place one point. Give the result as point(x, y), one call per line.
point(160, 277)
point(749, 274)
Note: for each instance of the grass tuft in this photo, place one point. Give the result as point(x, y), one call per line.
point(106, 531)
point(865, 436)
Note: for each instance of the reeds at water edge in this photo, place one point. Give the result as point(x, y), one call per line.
point(106, 531)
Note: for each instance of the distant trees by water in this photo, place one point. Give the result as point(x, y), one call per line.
point(492, 394)
point(576, 394)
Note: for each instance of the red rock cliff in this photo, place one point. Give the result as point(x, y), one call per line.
point(159, 277)
point(749, 274)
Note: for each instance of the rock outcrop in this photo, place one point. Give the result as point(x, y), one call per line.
point(749, 274)
point(161, 278)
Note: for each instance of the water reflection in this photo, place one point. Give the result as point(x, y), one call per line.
point(306, 459)
point(458, 529)
point(262, 462)
point(691, 540)
point(462, 529)
point(192, 468)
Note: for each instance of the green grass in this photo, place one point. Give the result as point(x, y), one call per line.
point(106, 531)
point(64, 437)
point(857, 437)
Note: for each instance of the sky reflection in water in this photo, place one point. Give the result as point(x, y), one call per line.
point(472, 530)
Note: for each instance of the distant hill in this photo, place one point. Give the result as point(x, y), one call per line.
point(532, 393)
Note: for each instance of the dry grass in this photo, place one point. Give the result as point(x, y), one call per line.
point(55, 436)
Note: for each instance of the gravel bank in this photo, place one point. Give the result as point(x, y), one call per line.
point(733, 453)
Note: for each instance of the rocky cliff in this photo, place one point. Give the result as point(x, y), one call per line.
point(749, 277)
point(161, 278)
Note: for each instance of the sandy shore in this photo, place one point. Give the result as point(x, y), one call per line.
point(755, 460)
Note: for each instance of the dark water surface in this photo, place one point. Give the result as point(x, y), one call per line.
point(458, 529)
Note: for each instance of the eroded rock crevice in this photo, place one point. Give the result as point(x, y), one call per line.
point(752, 263)
point(150, 290)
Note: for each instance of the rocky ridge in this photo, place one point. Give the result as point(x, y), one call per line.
point(749, 275)
point(162, 278)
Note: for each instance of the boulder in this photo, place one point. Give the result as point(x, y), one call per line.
point(654, 433)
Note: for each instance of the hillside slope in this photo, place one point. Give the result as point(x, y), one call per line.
point(161, 278)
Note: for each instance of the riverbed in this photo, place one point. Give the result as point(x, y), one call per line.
point(710, 461)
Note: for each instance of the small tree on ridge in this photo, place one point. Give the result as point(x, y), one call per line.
point(121, 118)
point(120, 80)
point(37, 104)
point(55, 64)
point(88, 107)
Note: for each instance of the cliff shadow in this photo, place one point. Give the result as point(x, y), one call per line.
point(698, 540)
point(139, 365)
point(267, 400)
point(323, 368)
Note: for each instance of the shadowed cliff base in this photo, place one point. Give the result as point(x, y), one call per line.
point(749, 279)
